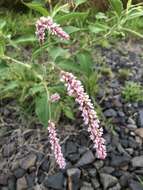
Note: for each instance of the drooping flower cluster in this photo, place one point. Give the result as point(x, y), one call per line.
point(47, 23)
point(55, 97)
point(55, 146)
point(76, 90)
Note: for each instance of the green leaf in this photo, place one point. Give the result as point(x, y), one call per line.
point(42, 109)
point(68, 65)
point(97, 28)
point(36, 88)
point(10, 86)
point(55, 111)
point(58, 52)
point(85, 61)
point(2, 24)
point(71, 29)
point(60, 8)
point(117, 6)
point(2, 47)
point(129, 3)
point(3, 65)
point(68, 112)
point(37, 7)
point(71, 16)
point(59, 88)
point(25, 39)
point(79, 2)
point(101, 15)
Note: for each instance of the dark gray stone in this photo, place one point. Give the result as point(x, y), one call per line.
point(30, 178)
point(137, 161)
point(118, 161)
point(134, 185)
point(82, 150)
point(86, 186)
point(107, 170)
point(71, 147)
point(95, 183)
point(19, 172)
point(92, 172)
point(28, 161)
point(124, 179)
point(116, 187)
point(121, 114)
point(98, 164)
point(73, 157)
point(108, 180)
point(55, 181)
point(3, 179)
point(12, 183)
point(140, 118)
point(110, 113)
point(4, 188)
point(86, 158)
point(45, 165)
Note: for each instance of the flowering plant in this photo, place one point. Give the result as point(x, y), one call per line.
point(76, 90)
point(42, 84)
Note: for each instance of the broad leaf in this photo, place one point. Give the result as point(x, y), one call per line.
point(71, 16)
point(58, 52)
point(101, 15)
point(46, 110)
point(25, 39)
point(117, 6)
point(3, 68)
point(37, 7)
point(68, 111)
point(72, 29)
point(42, 109)
point(68, 65)
point(129, 3)
point(85, 61)
point(12, 85)
point(79, 2)
point(2, 24)
point(36, 88)
point(97, 28)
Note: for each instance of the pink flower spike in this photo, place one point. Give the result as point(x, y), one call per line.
point(55, 146)
point(76, 90)
point(55, 97)
point(47, 23)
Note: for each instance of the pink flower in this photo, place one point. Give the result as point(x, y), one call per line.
point(76, 90)
point(47, 23)
point(55, 97)
point(55, 146)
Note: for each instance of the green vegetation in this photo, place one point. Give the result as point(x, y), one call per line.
point(133, 92)
point(124, 74)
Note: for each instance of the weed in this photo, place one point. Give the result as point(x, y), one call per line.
point(124, 74)
point(132, 92)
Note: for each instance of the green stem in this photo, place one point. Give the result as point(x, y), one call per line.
point(23, 64)
point(16, 61)
point(48, 96)
point(133, 32)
